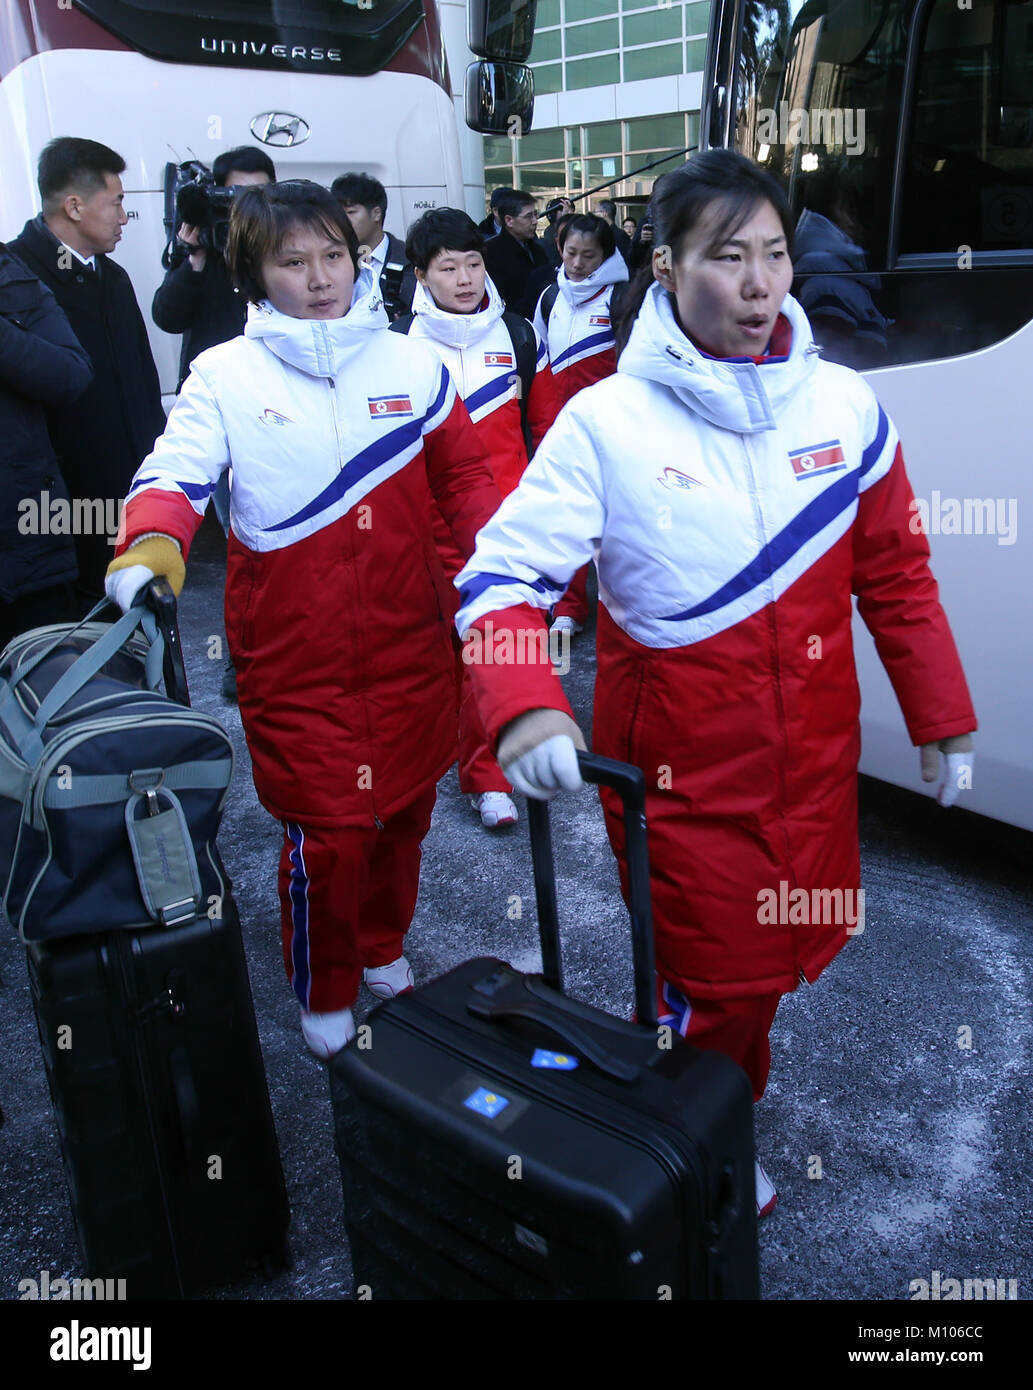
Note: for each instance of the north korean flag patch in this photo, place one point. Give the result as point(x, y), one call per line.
point(599, 321)
point(819, 458)
point(389, 405)
point(498, 359)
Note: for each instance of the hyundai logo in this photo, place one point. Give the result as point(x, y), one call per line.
point(279, 128)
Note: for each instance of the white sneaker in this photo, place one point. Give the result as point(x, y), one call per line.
point(767, 1197)
point(495, 809)
point(327, 1033)
point(567, 625)
point(388, 981)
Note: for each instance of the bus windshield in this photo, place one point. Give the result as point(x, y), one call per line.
point(343, 36)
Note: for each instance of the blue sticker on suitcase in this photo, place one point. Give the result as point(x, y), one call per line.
point(486, 1102)
point(554, 1061)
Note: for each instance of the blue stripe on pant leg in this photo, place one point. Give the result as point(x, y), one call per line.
point(298, 890)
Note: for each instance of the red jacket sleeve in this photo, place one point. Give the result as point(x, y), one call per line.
point(543, 405)
point(460, 477)
point(898, 599)
point(155, 510)
point(508, 654)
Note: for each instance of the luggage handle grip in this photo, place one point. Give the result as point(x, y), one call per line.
point(629, 783)
point(160, 599)
point(578, 1041)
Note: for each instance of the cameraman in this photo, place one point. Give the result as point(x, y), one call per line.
point(196, 297)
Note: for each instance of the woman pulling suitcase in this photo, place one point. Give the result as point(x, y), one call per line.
point(337, 438)
point(735, 490)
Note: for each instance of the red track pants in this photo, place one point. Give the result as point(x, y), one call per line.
point(737, 1027)
point(347, 897)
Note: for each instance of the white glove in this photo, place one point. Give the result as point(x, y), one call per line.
point(123, 586)
point(955, 772)
point(957, 777)
point(543, 771)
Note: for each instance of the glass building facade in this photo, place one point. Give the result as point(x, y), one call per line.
point(585, 55)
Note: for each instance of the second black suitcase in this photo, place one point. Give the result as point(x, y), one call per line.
point(499, 1140)
point(156, 1074)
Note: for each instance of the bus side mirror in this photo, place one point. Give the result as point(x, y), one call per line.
point(501, 29)
point(499, 98)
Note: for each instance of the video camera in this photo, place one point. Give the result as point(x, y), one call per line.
point(192, 196)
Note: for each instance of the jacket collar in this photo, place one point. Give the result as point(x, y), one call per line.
point(740, 394)
point(613, 271)
point(318, 347)
point(458, 330)
point(47, 248)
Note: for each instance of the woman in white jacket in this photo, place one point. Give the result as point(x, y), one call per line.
point(575, 317)
point(735, 491)
point(338, 438)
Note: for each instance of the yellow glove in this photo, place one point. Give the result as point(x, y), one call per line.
point(153, 556)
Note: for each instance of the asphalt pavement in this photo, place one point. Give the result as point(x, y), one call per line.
point(896, 1124)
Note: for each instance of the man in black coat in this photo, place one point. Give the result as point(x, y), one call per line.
point(100, 439)
point(41, 364)
point(197, 297)
point(606, 208)
point(364, 200)
point(515, 252)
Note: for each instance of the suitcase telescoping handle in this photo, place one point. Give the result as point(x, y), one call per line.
point(630, 785)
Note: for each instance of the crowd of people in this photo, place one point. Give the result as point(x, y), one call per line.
point(418, 443)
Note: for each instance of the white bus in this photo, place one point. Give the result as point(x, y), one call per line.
point(325, 86)
point(904, 130)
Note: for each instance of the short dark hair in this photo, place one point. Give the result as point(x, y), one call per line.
point(497, 194)
point(588, 225)
point(720, 179)
point(69, 162)
point(263, 215)
point(511, 204)
point(441, 229)
point(363, 189)
point(247, 159)
point(609, 206)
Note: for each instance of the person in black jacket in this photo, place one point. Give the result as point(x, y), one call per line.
point(100, 438)
point(515, 252)
point(197, 297)
point(41, 364)
point(364, 200)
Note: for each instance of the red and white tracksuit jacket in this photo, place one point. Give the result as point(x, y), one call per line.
point(579, 334)
point(338, 438)
point(479, 354)
point(733, 507)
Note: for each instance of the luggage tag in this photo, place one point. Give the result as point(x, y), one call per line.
point(163, 853)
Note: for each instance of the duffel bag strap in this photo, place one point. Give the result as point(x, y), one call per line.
point(163, 853)
point(86, 667)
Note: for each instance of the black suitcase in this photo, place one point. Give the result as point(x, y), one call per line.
point(159, 1090)
point(478, 1162)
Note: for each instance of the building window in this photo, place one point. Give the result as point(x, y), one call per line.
point(591, 38)
point(651, 26)
point(662, 60)
point(593, 72)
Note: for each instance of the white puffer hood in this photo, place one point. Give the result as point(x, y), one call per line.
point(319, 347)
point(457, 330)
point(737, 395)
point(611, 272)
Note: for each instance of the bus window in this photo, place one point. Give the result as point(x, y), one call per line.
point(970, 163)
